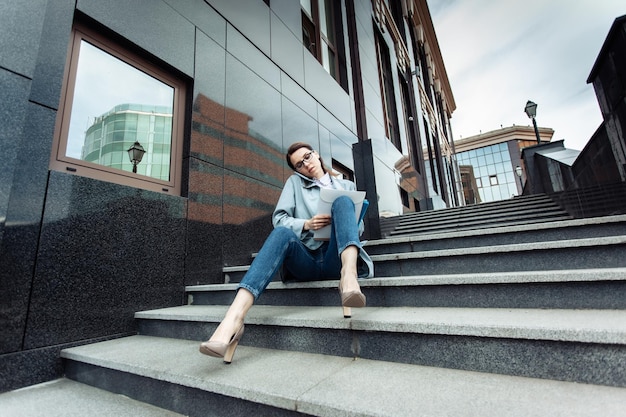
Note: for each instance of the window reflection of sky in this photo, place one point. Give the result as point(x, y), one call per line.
point(487, 162)
point(102, 82)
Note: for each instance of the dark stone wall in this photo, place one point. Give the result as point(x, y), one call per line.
point(79, 256)
point(608, 77)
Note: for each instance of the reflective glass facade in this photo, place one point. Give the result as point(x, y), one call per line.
point(243, 88)
point(493, 171)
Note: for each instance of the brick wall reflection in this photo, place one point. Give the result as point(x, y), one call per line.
point(235, 175)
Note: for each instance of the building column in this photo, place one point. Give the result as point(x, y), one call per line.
point(366, 181)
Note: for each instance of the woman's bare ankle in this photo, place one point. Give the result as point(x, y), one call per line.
point(349, 280)
point(226, 329)
point(234, 317)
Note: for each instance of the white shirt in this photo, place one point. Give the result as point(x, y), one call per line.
point(326, 181)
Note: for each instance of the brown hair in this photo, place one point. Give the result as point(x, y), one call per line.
point(293, 148)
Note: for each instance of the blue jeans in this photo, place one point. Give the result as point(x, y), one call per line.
point(284, 248)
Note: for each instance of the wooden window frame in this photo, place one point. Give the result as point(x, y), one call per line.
point(59, 161)
point(345, 172)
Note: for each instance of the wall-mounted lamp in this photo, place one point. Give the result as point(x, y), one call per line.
point(518, 172)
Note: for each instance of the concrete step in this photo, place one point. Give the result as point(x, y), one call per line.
point(583, 253)
point(520, 201)
point(517, 233)
point(587, 346)
point(66, 398)
point(172, 374)
point(587, 253)
point(518, 204)
point(536, 209)
point(601, 288)
point(477, 223)
point(606, 199)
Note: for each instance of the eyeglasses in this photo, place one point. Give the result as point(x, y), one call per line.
point(306, 158)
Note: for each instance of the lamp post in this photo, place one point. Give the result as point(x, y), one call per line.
point(135, 153)
point(531, 111)
point(518, 172)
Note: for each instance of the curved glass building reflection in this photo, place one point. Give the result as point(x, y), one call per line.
point(111, 134)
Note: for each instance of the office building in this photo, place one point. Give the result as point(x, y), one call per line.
point(214, 92)
point(489, 162)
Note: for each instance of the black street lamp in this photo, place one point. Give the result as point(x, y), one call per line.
point(531, 111)
point(135, 153)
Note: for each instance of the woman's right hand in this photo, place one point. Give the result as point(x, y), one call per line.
point(317, 222)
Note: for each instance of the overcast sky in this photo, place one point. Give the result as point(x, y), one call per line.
point(500, 54)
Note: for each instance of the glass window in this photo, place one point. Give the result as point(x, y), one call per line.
point(320, 32)
point(513, 189)
point(493, 180)
point(385, 73)
point(485, 194)
point(496, 194)
point(307, 7)
point(111, 93)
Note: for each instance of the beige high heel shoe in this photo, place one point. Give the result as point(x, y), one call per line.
point(221, 349)
point(351, 299)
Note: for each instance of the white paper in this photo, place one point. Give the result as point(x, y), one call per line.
point(327, 196)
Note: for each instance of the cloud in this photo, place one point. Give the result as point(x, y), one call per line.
point(500, 54)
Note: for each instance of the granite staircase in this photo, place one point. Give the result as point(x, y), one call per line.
point(504, 320)
point(529, 209)
point(593, 201)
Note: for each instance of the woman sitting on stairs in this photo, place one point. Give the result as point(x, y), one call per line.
point(291, 246)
